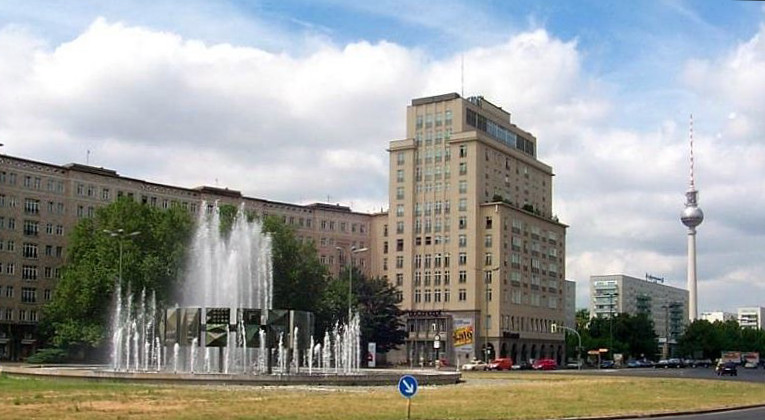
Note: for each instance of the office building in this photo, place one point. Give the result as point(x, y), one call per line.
point(665, 305)
point(470, 238)
point(751, 317)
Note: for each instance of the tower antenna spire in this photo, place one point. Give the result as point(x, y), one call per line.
point(690, 138)
point(692, 217)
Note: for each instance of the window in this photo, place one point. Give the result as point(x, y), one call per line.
point(463, 258)
point(427, 295)
point(463, 151)
point(400, 175)
point(399, 193)
point(29, 272)
point(400, 210)
point(400, 261)
point(462, 240)
point(28, 295)
point(400, 158)
point(399, 279)
point(463, 187)
point(29, 250)
point(487, 241)
point(463, 168)
point(488, 222)
point(462, 206)
point(31, 206)
point(399, 245)
point(417, 296)
point(31, 227)
point(462, 276)
point(488, 259)
point(462, 295)
point(399, 227)
point(463, 222)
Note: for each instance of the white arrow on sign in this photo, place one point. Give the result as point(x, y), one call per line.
point(408, 387)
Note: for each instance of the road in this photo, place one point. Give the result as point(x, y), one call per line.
point(746, 375)
point(745, 414)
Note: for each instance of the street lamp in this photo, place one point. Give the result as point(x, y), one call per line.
point(354, 250)
point(120, 235)
point(554, 329)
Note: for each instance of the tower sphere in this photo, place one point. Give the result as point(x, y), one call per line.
point(692, 217)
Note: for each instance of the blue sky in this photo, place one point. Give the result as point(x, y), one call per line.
point(260, 95)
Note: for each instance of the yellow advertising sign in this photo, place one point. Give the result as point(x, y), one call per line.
point(463, 336)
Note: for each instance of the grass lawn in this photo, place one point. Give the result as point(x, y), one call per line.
point(483, 396)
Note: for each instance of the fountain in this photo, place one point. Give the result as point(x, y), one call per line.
point(224, 322)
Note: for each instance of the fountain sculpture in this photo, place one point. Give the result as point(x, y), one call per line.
point(224, 321)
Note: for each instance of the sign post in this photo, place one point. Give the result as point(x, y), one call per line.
point(407, 387)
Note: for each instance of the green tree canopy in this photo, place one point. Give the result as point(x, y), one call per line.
point(77, 317)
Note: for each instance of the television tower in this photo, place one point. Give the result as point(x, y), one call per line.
point(692, 216)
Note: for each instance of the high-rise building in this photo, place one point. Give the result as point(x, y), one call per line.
point(470, 237)
point(666, 306)
point(752, 317)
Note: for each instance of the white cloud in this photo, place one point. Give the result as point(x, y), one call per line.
point(299, 128)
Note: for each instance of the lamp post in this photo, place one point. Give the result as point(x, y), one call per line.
point(120, 235)
point(554, 329)
point(354, 250)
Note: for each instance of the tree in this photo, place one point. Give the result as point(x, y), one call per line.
point(299, 277)
point(380, 316)
point(77, 317)
point(375, 300)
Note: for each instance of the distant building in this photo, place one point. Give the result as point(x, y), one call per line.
point(666, 306)
point(720, 316)
point(751, 317)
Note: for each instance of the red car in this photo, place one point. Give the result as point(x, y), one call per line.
point(503, 363)
point(545, 364)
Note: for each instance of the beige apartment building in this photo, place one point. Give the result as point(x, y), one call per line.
point(40, 204)
point(470, 237)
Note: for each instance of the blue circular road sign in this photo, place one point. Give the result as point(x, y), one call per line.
point(407, 386)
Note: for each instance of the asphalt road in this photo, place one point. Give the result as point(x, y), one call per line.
point(746, 375)
point(745, 414)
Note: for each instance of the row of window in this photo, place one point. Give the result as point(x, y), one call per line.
point(428, 120)
point(29, 272)
point(23, 315)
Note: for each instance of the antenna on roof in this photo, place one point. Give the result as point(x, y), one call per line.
point(462, 75)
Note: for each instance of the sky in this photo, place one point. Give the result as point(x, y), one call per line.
point(296, 101)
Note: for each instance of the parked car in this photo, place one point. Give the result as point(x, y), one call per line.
point(522, 365)
point(607, 364)
point(502, 363)
point(668, 363)
point(545, 364)
point(475, 364)
point(726, 368)
point(573, 365)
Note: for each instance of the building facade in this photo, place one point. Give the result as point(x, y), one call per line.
point(717, 316)
point(470, 237)
point(41, 203)
point(751, 317)
point(666, 306)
